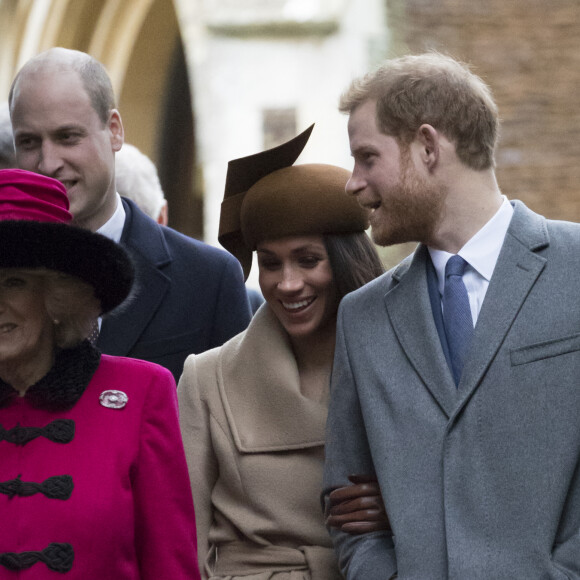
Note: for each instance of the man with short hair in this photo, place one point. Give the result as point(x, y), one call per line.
point(456, 375)
point(189, 296)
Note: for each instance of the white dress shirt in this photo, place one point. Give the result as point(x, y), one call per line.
point(113, 228)
point(480, 253)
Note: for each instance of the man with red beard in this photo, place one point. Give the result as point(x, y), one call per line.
point(455, 377)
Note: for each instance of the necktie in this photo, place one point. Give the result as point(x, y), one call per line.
point(456, 315)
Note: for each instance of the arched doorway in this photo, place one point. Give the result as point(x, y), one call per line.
point(140, 44)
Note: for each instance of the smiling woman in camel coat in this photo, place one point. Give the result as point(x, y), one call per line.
point(254, 446)
point(254, 441)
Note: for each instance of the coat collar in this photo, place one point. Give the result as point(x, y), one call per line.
point(518, 267)
point(144, 236)
point(144, 240)
point(260, 391)
point(409, 309)
point(62, 387)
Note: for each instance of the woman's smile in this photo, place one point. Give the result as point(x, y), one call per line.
point(296, 281)
point(298, 306)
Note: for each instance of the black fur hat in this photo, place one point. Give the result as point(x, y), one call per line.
point(34, 233)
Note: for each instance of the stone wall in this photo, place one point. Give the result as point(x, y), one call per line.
point(529, 53)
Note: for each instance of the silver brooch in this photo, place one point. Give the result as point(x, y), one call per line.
point(113, 399)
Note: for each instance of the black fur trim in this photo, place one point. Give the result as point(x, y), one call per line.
point(97, 260)
point(64, 384)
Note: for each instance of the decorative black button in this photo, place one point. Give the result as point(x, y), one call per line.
point(57, 431)
point(56, 487)
point(57, 557)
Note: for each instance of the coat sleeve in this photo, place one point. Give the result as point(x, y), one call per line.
point(232, 312)
point(164, 515)
point(201, 459)
point(347, 451)
point(566, 554)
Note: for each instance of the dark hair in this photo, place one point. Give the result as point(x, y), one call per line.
point(353, 259)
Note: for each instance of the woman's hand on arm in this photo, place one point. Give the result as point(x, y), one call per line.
point(358, 508)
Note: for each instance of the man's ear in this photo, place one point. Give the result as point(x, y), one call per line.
point(428, 139)
point(116, 129)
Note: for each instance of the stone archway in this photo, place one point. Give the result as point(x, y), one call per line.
point(140, 44)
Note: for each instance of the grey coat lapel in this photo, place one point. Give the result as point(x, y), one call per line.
point(411, 316)
point(516, 271)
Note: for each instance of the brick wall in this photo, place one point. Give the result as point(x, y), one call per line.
point(528, 51)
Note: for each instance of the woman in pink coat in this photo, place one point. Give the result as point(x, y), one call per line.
point(93, 479)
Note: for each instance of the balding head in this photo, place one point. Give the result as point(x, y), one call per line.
point(92, 73)
point(65, 126)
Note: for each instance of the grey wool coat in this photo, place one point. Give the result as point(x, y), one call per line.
point(480, 481)
point(255, 450)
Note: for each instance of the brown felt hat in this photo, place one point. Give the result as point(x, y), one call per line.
point(266, 197)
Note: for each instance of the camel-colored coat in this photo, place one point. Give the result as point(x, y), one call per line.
point(254, 447)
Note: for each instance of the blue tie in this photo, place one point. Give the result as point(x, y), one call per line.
point(456, 315)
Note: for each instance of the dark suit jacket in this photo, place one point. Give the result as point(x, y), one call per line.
point(188, 297)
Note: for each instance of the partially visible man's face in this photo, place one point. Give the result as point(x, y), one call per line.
point(58, 133)
point(404, 206)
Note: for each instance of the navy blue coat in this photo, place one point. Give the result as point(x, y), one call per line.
point(188, 297)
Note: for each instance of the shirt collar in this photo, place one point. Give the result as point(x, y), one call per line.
point(482, 250)
point(113, 228)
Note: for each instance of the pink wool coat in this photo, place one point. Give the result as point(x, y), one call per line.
point(130, 514)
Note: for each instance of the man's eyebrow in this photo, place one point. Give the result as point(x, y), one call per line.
point(69, 127)
point(362, 147)
point(59, 129)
